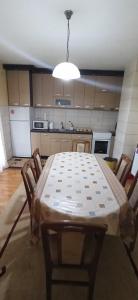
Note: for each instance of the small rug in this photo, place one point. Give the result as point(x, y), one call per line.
point(25, 276)
point(18, 162)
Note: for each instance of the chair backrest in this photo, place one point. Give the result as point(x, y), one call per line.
point(29, 179)
point(123, 168)
point(133, 192)
point(86, 248)
point(133, 201)
point(37, 162)
point(81, 146)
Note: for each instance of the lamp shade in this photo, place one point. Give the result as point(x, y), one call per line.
point(66, 71)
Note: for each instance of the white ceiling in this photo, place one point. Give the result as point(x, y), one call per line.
point(104, 34)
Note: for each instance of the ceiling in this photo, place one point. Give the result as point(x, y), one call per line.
point(104, 34)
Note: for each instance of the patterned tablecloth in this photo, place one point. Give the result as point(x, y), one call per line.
point(81, 187)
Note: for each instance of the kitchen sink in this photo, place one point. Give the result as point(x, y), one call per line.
point(62, 130)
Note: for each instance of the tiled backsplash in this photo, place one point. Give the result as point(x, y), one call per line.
point(97, 120)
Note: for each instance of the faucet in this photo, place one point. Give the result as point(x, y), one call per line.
point(71, 125)
point(62, 125)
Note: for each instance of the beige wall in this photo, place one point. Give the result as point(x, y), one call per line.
point(127, 125)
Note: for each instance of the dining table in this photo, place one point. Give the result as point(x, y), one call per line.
point(81, 187)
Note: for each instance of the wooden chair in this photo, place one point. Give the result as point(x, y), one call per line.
point(89, 252)
point(133, 201)
point(123, 168)
point(81, 146)
point(29, 179)
point(37, 162)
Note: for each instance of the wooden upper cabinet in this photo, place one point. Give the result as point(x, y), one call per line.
point(63, 90)
point(47, 86)
point(107, 92)
point(78, 94)
point(37, 90)
point(68, 89)
point(58, 88)
point(119, 82)
point(24, 88)
point(13, 87)
point(3, 88)
point(43, 86)
point(89, 91)
point(18, 88)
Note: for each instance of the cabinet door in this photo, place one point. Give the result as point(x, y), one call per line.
point(69, 90)
point(3, 89)
point(89, 91)
point(106, 92)
point(55, 146)
point(13, 87)
point(78, 94)
point(66, 145)
point(58, 88)
point(37, 90)
point(47, 85)
point(45, 144)
point(35, 141)
point(24, 88)
point(82, 137)
point(119, 82)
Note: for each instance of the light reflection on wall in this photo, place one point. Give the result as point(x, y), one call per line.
point(39, 63)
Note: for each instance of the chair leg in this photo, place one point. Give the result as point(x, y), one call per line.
point(48, 287)
point(90, 292)
point(132, 261)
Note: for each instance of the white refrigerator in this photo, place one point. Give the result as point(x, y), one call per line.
point(20, 131)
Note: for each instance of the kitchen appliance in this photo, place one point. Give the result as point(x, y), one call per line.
point(40, 125)
point(101, 143)
point(51, 125)
point(20, 131)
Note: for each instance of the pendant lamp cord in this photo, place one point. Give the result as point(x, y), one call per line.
point(68, 36)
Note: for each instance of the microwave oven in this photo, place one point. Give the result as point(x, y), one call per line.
point(43, 125)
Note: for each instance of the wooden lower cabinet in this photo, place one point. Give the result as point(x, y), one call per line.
point(44, 144)
point(66, 145)
point(35, 140)
point(51, 143)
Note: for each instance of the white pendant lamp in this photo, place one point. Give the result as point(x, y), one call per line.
point(66, 70)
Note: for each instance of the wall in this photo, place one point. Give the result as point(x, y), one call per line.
point(127, 125)
point(97, 120)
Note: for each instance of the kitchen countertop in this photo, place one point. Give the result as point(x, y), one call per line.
point(68, 131)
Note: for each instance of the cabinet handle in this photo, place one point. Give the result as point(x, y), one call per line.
point(45, 134)
point(26, 104)
point(77, 105)
point(102, 106)
point(104, 90)
point(87, 106)
point(58, 94)
point(15, 103)
point(38, 104)
point(67, 95)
